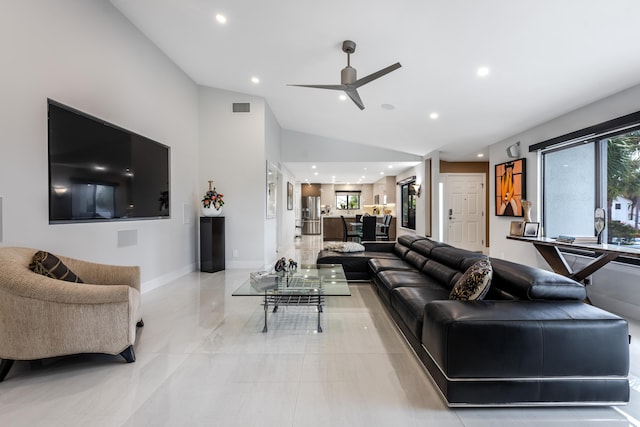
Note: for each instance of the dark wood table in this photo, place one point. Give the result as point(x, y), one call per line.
point(602, 254)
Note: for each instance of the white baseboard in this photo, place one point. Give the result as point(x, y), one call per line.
point(244, 264)
point(166, 278)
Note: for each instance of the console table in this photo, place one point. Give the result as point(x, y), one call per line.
point(602, 254)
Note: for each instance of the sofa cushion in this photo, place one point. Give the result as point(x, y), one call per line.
point(50, 265)
point(409, 303)
point(474, 283)
point(388, 280)
point(377, 265)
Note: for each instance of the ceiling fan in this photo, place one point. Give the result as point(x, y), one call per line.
point(348, 77)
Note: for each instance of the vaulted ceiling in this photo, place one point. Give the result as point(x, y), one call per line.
point(544, 58)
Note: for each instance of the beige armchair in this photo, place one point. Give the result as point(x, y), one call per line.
point(43, 317)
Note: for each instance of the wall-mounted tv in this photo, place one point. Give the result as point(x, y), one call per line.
point(101, 172)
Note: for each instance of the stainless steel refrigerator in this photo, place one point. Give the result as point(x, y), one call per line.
point(311, 215)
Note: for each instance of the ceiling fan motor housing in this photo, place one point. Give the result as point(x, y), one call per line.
point(348, 75)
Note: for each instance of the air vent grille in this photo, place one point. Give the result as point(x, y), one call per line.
point(241, 107)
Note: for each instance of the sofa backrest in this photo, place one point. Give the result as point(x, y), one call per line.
point(532, 283)
point(444, 274)
point(425, 246)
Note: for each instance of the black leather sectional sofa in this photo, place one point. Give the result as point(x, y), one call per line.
point(531, 341)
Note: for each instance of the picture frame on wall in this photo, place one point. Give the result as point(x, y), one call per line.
point(531, 229)
point(272, 190)
point(510, 188)
point(289, 196)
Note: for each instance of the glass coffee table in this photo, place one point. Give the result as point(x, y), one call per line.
point(308, 285)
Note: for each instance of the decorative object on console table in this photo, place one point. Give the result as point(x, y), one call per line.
point(526, 208)
point(599, 222)
point(212, 251)
point(212, 202)
point(516, 228)
point(510, 188)
point(531, 229)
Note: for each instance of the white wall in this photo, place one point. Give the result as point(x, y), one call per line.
point(88, 56)
point(232, 153)
point(617, 105)
point(610, 288)
point(273, 226)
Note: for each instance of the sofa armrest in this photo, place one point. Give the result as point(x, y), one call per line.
point(24, 283)
point(504, 339)
point(104, 274)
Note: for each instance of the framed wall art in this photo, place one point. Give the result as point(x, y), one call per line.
point(510, 188)
point(289, 196)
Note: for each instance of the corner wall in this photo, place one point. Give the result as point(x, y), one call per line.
point(88, 56)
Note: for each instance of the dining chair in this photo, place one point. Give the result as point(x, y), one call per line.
point(369, 228)
point(383, 234)
point(346, 234)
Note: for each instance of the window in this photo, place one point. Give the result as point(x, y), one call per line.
point(348, 200)
point(597, 171)
point(408, 196)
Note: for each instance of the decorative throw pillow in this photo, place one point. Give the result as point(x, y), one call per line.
point(343, 247)
point(352, 247)
point(474, 283)
point(50, 265)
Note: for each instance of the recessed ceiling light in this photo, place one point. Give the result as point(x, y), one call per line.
point(434, 116)
point(221, 18)
point(313, 166)
point(255, 80)
point(343, 97)
point(480, 155)
point(390, 166)
point(483, 71)
point(362, 177)
point(381, 173)
point(315, 173)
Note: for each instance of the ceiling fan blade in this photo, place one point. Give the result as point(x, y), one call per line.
point(375, 75)
point(332, 87)
point(353, 94)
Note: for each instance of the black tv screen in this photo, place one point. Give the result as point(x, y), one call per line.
point(101, 172)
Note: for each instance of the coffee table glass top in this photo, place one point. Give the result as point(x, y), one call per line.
point(307, 279)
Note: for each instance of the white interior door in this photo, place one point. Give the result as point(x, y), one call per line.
point(464, 210)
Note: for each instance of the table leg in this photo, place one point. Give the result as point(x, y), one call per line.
point(266, 309)
point(319, 311)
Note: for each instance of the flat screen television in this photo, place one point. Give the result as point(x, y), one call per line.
point(101, 172)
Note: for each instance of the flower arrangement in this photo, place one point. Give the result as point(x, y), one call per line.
point(212, 197)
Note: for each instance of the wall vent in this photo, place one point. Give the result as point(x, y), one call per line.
point(241, 107)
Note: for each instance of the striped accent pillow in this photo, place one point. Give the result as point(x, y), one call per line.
point(50, 265)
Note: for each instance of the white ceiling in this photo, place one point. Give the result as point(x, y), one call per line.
point(546, 58)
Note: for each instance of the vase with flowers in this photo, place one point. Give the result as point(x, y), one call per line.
point(212, 202)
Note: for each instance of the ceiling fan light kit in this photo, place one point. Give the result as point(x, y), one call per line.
point(349, 82)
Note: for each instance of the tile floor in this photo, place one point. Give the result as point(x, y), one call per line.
point(202, 361)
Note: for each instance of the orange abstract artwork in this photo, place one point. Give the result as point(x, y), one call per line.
point(510, 188)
